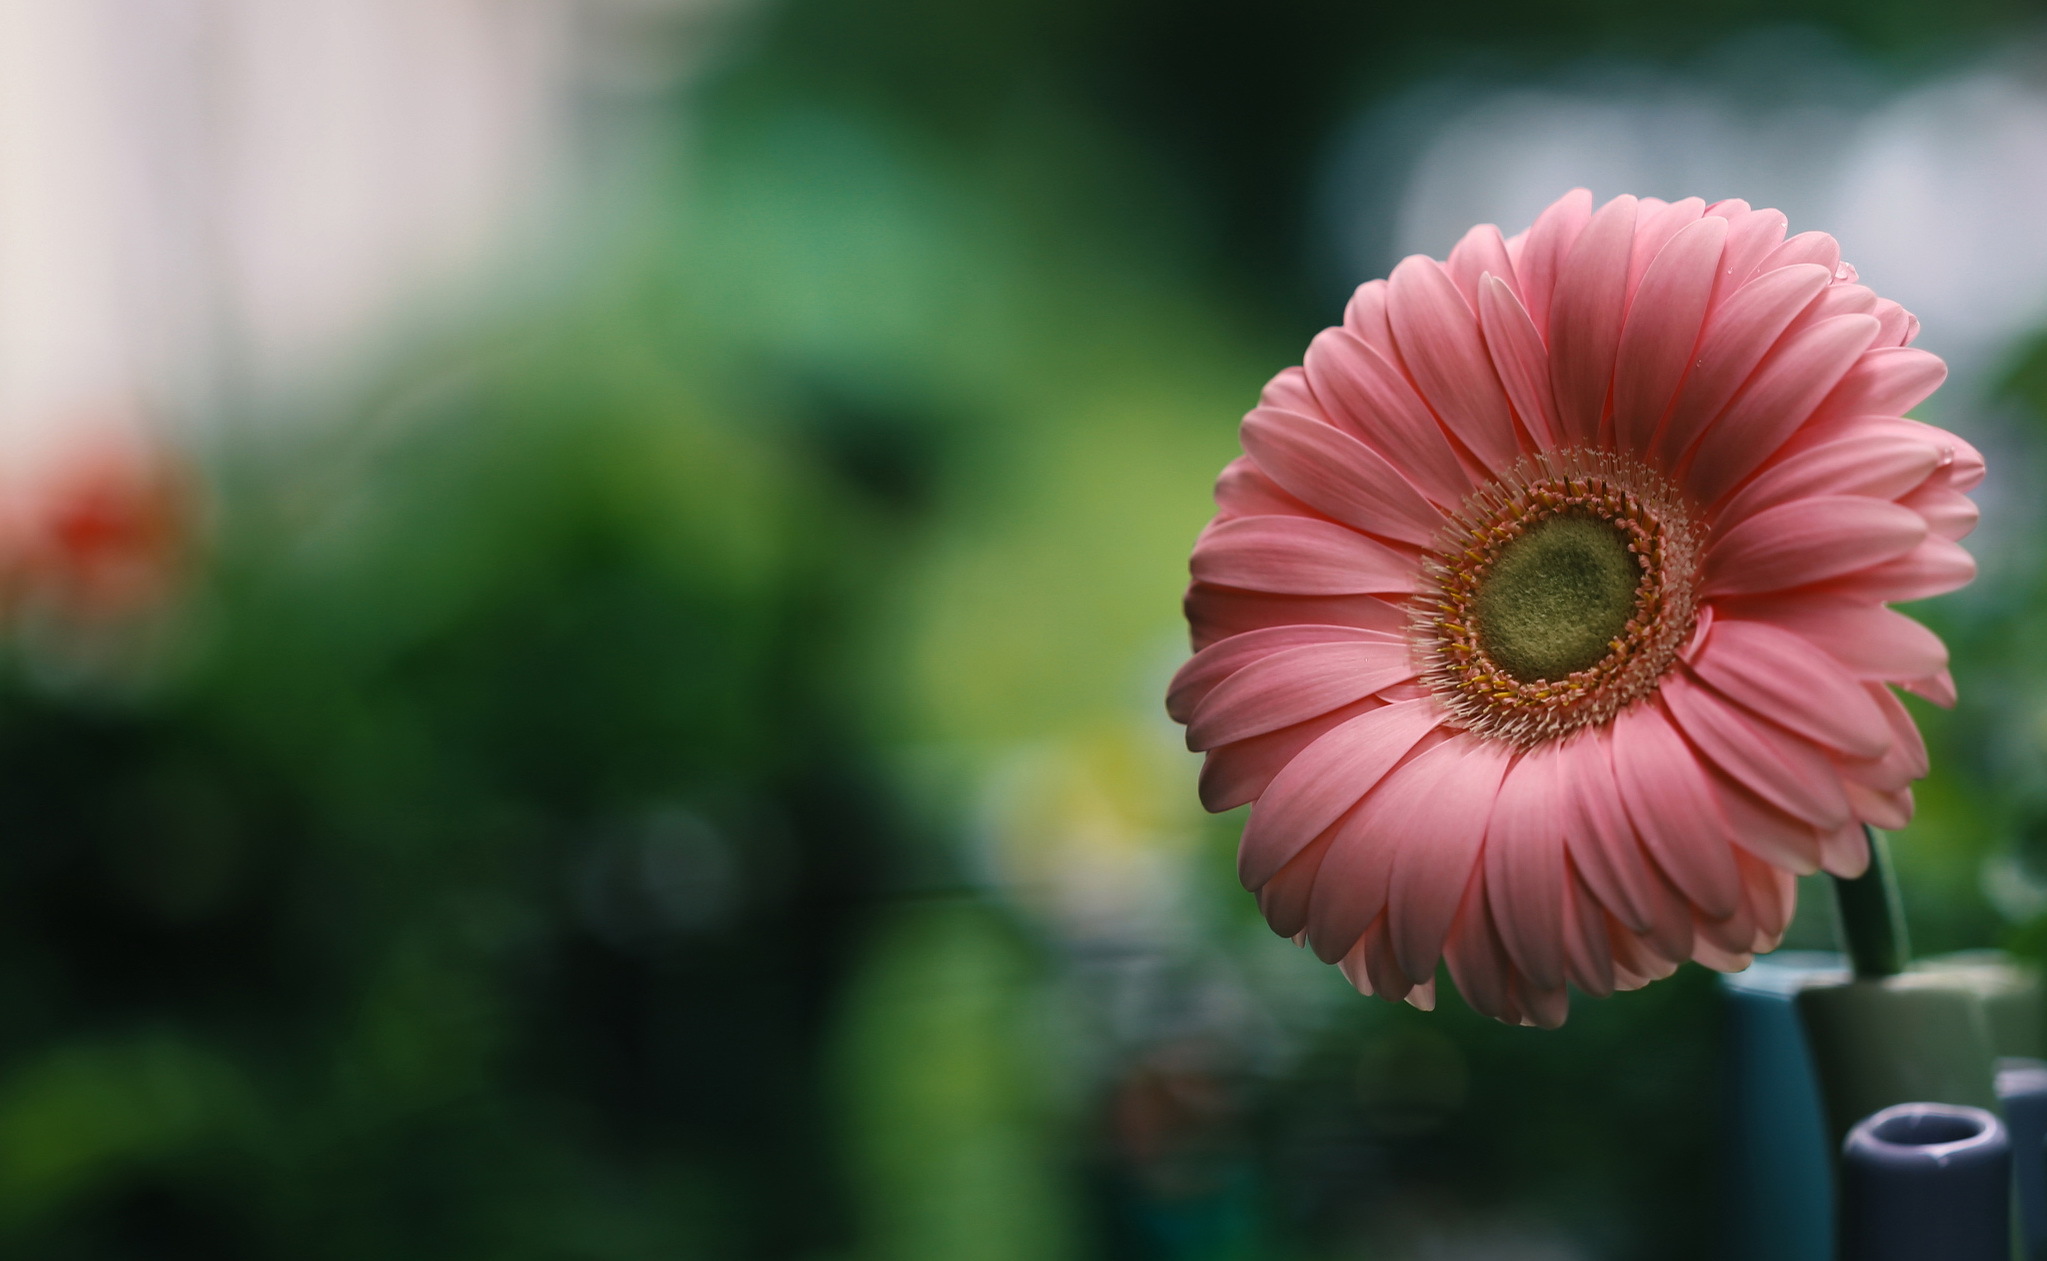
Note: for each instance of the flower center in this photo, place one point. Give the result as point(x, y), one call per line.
point(1558, 595)
point(1555, 600)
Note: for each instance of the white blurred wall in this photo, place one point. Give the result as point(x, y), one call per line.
point(1933, 188)
point(204, 202)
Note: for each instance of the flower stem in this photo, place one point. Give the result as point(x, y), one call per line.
point(1872, 919)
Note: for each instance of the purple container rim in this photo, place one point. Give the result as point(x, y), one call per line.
point(1989, 1130)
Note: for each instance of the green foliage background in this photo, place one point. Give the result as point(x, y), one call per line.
point(551, 826)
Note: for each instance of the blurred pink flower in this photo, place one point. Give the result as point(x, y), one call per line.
point(1542, 622)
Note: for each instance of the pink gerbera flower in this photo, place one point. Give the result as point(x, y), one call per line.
point(1543, 621)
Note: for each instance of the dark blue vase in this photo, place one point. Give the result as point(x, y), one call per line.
point(1926, 1180)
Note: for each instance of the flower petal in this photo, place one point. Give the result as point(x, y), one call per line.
point(1771, 407)
point(1751, 236)
point(1828, 426)
point(1937, 688)
point(1737, 337)
point(1358, 972)
point(1480, 253)
point(1294, 685)
point(1806, 247)
point(1194, 680)
point(1899, 325)
point(1808, 541)
point(1882, 465)
point(1216, 613)
point(1767, 832)
point(1299, 556)
point(1884, 382)
point(1548, 244)
point(1888, 775)
point(1779, 676)
point(1525, 867)
point(1671, 927)
point(1243, 490)
point(1289, 391)
point(1670, 802)
point(1439, 341)
point(1772, 898)
point(1965, 469)
point(1437, 817)
point(1238, 773)
point(1777, 766)
point(1840, 299)
point(1845, 852)
point(1655, 226)
point(1724, 944)
point(1636, 962)
point(1338, 476)
point(1478, 960)
point(1599, 837)
point(1891, 811)
point(1520, 358)
point(1587, 954)
point(1908, 748)
point(1585, 319)
point(1872, 641)
point(1935, 567)
point(1357, 387)
point(1949, 513)
point(1283, 899)
point(1350, 893)
point(1423, 996)
point(1387, 979)
point(1352, 890)
point(1325, 780)
point(1364, 316)
point(1662, 329)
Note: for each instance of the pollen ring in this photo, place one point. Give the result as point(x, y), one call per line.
point(1558, 595)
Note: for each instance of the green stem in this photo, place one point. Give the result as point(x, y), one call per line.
point(1872, 919)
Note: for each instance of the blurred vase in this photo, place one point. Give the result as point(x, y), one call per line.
point(1877, 1048)
point(2022, 1089)
point(1780, 1180)
point(1925, 1180)
point(2009, 991)
point(1916, 1037)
